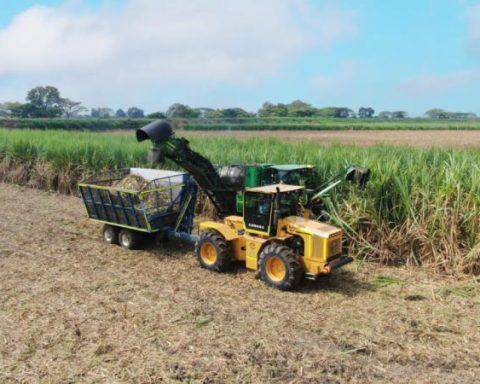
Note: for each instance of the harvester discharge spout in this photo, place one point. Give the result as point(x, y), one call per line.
point(177, 149)
point(358, 175)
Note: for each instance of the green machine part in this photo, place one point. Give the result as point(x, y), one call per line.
point(255, 176)
point(266, 174)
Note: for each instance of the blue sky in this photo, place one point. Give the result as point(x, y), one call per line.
point(390, 55)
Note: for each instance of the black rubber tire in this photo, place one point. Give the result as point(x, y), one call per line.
point(128, 239)
point(293, 267)
point(224, 257)
point(110, 234)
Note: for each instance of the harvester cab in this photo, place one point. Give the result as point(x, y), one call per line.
point(265, 206)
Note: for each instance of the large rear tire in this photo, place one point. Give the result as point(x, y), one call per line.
point(213, 252)
point(279, 267)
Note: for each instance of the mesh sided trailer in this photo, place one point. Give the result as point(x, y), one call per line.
point(165, 203)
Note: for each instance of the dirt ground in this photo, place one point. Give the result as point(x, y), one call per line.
point(422, 139)
point(75, 309)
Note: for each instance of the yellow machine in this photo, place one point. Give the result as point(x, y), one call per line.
point(282, 247)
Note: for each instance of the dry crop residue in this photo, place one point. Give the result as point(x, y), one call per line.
point(74, 309)
point(414, 138)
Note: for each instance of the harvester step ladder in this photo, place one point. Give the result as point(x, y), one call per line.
point(183, 211)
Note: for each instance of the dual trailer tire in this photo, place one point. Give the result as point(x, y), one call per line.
point(125, 237)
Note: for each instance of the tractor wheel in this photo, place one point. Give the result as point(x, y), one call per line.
point(128, 239)
point(110, 234)
point(213, 252)
point(279, 267)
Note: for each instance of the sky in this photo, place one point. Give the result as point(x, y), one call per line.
point(409, 55)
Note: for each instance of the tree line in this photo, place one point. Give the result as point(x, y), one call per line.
point(47, 102)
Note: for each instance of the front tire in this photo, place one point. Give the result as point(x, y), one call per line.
point(110, 234)
point(279, 267)
point(213, 252)
point(128, 239)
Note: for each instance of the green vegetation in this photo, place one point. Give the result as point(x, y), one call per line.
point(93, 124)
point(318, 123)
point(247, 123)
point(421, 206)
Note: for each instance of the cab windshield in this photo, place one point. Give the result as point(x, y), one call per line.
point(257, 211)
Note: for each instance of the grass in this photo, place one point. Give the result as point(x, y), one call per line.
point(382, 281)
point(250, 124)
point(420, 207)
point(318, 124)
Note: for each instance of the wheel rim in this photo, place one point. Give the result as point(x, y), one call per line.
point(108, 235)
point(208, 253)
point(125, 239)
point(276, 269)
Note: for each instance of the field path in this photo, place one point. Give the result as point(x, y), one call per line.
point(421, 139)
point(74, 309)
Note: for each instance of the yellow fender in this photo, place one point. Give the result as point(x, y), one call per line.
point(226, 231)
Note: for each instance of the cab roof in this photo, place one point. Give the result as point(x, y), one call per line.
point(273, 188)
point(292, 167)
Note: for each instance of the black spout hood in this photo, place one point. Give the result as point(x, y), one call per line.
point(157, 130)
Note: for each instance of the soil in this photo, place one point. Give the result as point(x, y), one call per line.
point(75, 309)
point(422, 139)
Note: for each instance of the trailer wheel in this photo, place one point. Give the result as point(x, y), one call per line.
point(213, 252)
point(128, 239)
point(110, 234)
point(279, 267)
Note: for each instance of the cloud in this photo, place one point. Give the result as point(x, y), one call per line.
point(338, 81)
point(473, 19)
point(435, 85)
point(146, 44)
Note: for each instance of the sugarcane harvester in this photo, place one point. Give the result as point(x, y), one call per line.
point(259, 225)
point(224, 185)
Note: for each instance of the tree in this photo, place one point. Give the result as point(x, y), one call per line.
point(437, 113)
point(4, 111)
point(44, 97)
point(327, 112)
point(47, 102)
point(299, 108)
point(135, 113)
point(101, 112)
point(335, 112)
point(204, 112)
point(156, 115)
point(16, 109)
point(399, 115)
point(271, 110)
point(72, 108)
point(385, 115)
point(229, 113)
point(120, 113)
point(343, 113)
point(366, 113)
point(181, 110)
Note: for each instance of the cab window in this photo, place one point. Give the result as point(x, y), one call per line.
point(257, 211)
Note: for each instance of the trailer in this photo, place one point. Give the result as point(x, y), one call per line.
point(163, 207)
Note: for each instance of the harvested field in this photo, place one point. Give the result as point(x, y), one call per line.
point(414, 138)
point(74, 309)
